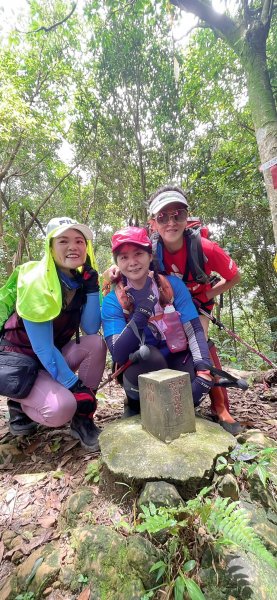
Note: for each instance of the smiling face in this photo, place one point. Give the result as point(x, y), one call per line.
point(171, 232)
point(133, 262)
point(69, 250)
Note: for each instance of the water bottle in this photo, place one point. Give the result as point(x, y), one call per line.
point(175, 336)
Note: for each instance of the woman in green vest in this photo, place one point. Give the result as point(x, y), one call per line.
point(54, 297)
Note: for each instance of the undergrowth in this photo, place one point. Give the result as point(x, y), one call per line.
point(205, 521)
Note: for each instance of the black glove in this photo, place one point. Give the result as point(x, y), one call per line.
point(144, 299)
point(200, 387)
point(85, 398)
point(88, 279)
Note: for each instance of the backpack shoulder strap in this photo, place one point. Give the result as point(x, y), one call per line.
point(195, 256)
point(124, 300)
point(166, 288)
point(126, 303)
point(157, 252)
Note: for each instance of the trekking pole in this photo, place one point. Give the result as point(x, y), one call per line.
point(223, 327)
point(228, 380)
point(143, 352)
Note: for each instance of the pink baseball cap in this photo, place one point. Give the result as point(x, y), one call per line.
point(131, 235)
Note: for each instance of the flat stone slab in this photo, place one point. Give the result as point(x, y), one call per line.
point(131, 455)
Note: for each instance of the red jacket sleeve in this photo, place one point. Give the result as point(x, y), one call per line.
point(218, 260)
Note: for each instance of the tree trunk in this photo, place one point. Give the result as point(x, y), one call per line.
point(246, 34)
point(263, 111)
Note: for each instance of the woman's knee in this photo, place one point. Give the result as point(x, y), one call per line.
point(60, 409)
point(154, 362)
point(56, 410)
point(95, 345)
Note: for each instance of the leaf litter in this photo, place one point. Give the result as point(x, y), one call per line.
point(41, 472)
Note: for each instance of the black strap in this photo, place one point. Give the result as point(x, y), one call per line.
point(195, 257)
point(4, 342)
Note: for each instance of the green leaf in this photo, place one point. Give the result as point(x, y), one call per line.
point(179, 588)
point(189, 565)
point(194, 590)
point(262, 474)
point(157, 565)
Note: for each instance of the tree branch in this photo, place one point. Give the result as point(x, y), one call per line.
point(205, 12)
point(9, 163)
point(43, 202)
point(18, 174)
point(55, 25)
point(267, 12)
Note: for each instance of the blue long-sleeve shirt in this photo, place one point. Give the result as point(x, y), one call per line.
point(42, 341)
point(122, 340)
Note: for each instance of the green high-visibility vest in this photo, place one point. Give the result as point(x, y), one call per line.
point(34, 289)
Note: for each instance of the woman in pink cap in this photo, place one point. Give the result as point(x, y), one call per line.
point(142, 294)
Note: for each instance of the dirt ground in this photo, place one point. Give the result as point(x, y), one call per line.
point(40, 472)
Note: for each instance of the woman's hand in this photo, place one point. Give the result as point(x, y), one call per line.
point(88, 279)
point(111, 274)
point(144, 300)
point(85, 398)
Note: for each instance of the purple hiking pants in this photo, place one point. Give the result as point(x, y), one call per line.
point(50, 403)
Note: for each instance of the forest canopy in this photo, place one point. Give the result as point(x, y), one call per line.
point(100, 104)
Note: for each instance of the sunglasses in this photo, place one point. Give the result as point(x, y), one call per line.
point(179, 216)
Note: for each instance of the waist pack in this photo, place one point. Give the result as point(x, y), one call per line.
point(18, 373)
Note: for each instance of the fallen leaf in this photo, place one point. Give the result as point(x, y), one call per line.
point(28, 547)
point(70, 445)
point(47, 522)
point(2, 548)
point(53, 501)
point(30, 449)
point(29, 478)
point(65, 459)
point(85, 594)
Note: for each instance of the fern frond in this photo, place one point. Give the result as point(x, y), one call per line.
point(232, 523)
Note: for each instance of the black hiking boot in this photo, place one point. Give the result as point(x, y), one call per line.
point(84, 429)
point(19, 422)
point(233, 428)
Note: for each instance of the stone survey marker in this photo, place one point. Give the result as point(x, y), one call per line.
point(166, 404)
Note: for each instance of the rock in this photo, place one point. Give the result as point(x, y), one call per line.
point(271, 377)
point(39, 569)
point(263, 522)
point(253, 577)
point(262, 494)
point(10, 453)
point(16, 541)
point(8, 592)
point(36, 573)
point(67, 576)
point(142, 555)
point(228, 487)
point(269, 395)
point(241, 576)
point(187, 462)
point(8, 537)
point(16, 557)
point(75, 505)
point(252, 436)
point(116, 568)
point(160, 493)
point(222, 468)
